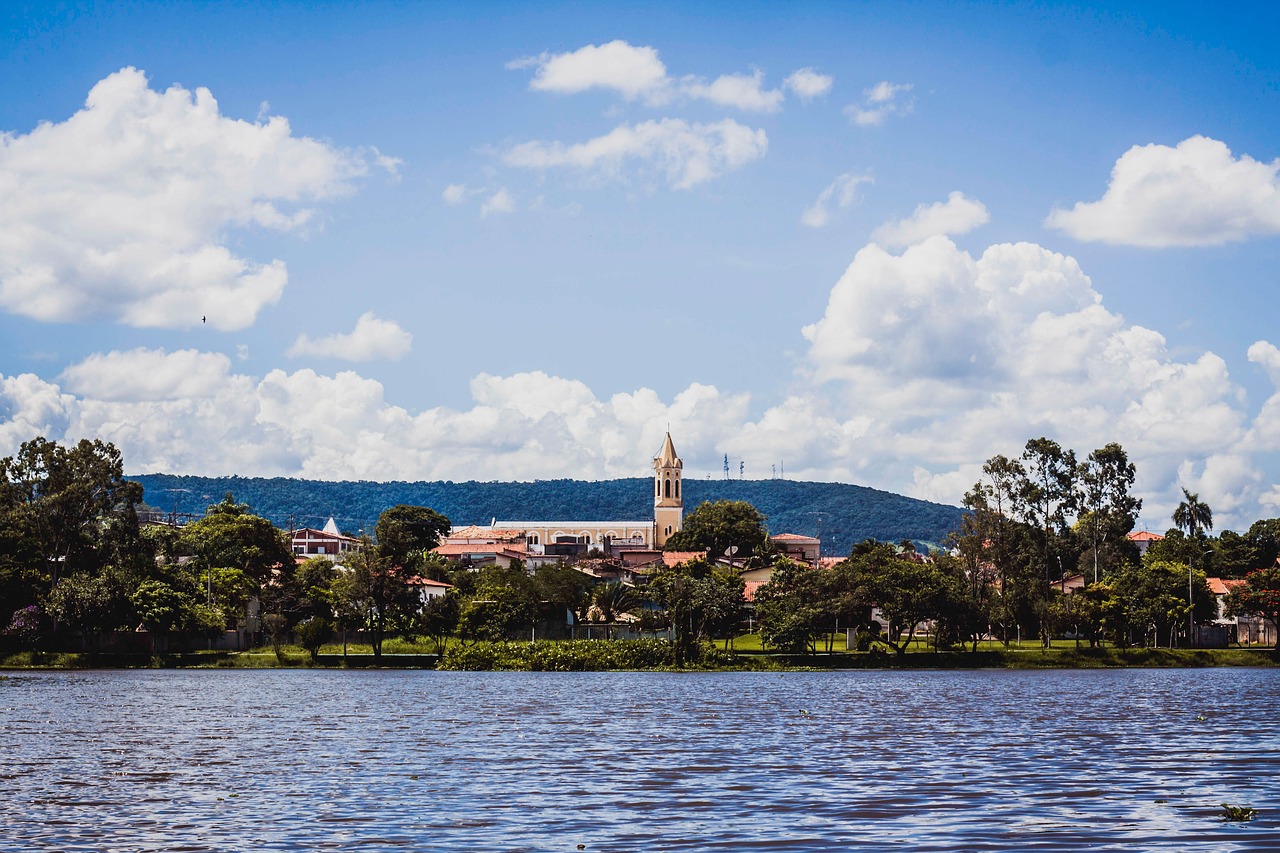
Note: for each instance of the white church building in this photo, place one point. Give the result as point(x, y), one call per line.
point(535, 536)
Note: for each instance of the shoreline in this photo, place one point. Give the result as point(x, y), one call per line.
point(500, 657)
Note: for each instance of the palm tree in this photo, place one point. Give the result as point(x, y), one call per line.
point(1192, 515)
point(612, 598)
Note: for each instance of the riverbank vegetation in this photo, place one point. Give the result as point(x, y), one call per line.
point(83, 578)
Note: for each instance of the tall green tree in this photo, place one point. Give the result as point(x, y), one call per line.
point(907, 592)
point(700, 603)
point(790, 608)
point(1107, 508)
point(236, 546)
point(1264, 536)
point(994, 542)
point(373, 593)
point(1154, 597)
point(404, 532)
point(64, 511)
point(1046, 498)
point(722, 527)
point(504, 604)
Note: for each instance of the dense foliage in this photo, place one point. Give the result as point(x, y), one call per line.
point(77, 568)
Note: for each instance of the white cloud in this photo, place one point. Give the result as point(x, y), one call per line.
point(957, 215)
point(1195, 194)
point(880, 102)
point(500, 202)
point(525, 426)
point(807, 83)
point(455, 194)
point(741, 91)
point(144, 374)
point(844, 191)
point(931, 361)
point(121, 212)
point(687, 154)
point(634, 72)
point(371, 340)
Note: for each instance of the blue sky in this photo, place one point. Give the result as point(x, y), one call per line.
point(874, 243)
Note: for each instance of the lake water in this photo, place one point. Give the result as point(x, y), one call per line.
point(421, 760)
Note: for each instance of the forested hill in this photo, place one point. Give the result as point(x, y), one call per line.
point(847, 513)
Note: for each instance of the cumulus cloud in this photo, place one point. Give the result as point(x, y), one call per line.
point(1194, 194)
point(500, 202)
point(144, 374)
point(843, 192)
point(121, 211)
point(957, 215)
point(881, 102)
point(934, 360)
point(741, 91)
point(687, 154)
point(806, 83)
point(524, 426)
point(634, 72)
point(372, 339)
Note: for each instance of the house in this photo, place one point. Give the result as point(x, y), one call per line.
point(802, 549)
point(428, 589)
point(1070, 584)
point(329, 542)
point(480, 554)
point(1143, 539)
point(1248, 630)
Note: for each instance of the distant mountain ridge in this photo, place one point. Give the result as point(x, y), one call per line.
point(843, 514)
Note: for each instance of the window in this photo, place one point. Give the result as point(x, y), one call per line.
point(667, 488)
point(677, 485)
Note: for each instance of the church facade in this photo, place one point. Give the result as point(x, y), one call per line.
point(668, 514)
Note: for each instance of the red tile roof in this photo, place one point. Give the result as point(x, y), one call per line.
point(675, 558)
point(1144, 536)
point(1218, 586)
point(478, 532)
point(450, 549)
point(417, 581)
point(750, 592)
point(793, 537)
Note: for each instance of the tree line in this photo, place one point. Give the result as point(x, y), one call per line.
point(1032, 521)
point(76, 565)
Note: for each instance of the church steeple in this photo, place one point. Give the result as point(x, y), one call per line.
point(668, 505)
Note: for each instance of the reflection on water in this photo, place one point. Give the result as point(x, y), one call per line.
point(316, 760)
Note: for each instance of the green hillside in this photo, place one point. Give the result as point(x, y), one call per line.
point(847, 514)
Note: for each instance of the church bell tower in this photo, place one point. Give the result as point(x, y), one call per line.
point(668, 506)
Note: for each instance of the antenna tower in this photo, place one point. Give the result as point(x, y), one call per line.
point(742, 467)
point(726, 466)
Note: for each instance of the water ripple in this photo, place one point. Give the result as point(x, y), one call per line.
point(312, 760)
